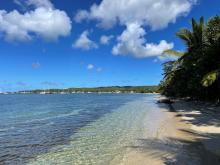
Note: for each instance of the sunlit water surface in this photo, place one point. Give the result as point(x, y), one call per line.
point(77, 129)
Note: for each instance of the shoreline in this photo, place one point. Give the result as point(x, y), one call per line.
point(178, 138)
point(79, 93)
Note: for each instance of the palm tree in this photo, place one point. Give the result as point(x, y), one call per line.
point(196, 72)
point(192, 39)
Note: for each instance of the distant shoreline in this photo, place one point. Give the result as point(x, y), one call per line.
point(8, 93)
point(110, 89)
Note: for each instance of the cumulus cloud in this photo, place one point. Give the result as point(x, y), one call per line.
point(132, 42)
point(136, 15)
point(44, 21)
point(105, 39)
point(156, 14)
point(83, 42)
point(90, 66)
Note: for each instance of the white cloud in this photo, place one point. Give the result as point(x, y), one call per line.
point(132, 42)
point(105, 39)
point(90, 66)
point(156, 14)
point(136, 14)
point(44, 21)
point(83, 42)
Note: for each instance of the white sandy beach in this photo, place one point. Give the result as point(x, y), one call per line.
point(188, 136)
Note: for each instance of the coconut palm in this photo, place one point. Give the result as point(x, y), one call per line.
point(192, 39)
point(198, 67)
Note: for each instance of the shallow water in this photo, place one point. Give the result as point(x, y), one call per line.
point(70, 129)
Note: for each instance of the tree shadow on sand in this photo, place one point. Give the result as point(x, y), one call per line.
point(207, 114)
point(204, 149)
point(177, 151)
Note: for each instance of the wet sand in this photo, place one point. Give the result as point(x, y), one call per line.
point(185, 134)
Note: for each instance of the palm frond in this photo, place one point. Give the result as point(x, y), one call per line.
point(202, 23)
point(210, 78)
point(173, 53)
point(218, 35)
point(186, 36)
point(194, 25)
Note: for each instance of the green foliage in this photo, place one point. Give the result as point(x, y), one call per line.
point(196, 73)
point(213, 30)
point(210, 78)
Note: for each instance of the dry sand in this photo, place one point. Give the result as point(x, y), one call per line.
point(189, 136)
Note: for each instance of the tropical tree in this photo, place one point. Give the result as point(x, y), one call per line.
point(213, 37)
point(196, 72)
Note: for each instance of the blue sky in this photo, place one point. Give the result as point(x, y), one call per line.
point(57, 44)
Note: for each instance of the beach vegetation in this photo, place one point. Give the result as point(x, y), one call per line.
point(196, 72)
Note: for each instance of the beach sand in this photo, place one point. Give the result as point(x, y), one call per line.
point(186, 135)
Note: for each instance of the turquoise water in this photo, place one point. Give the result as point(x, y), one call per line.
point(70, 129)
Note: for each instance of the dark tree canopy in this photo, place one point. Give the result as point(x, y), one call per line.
point(196, 72)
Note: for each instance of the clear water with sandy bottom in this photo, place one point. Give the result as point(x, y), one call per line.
point(76, 129)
